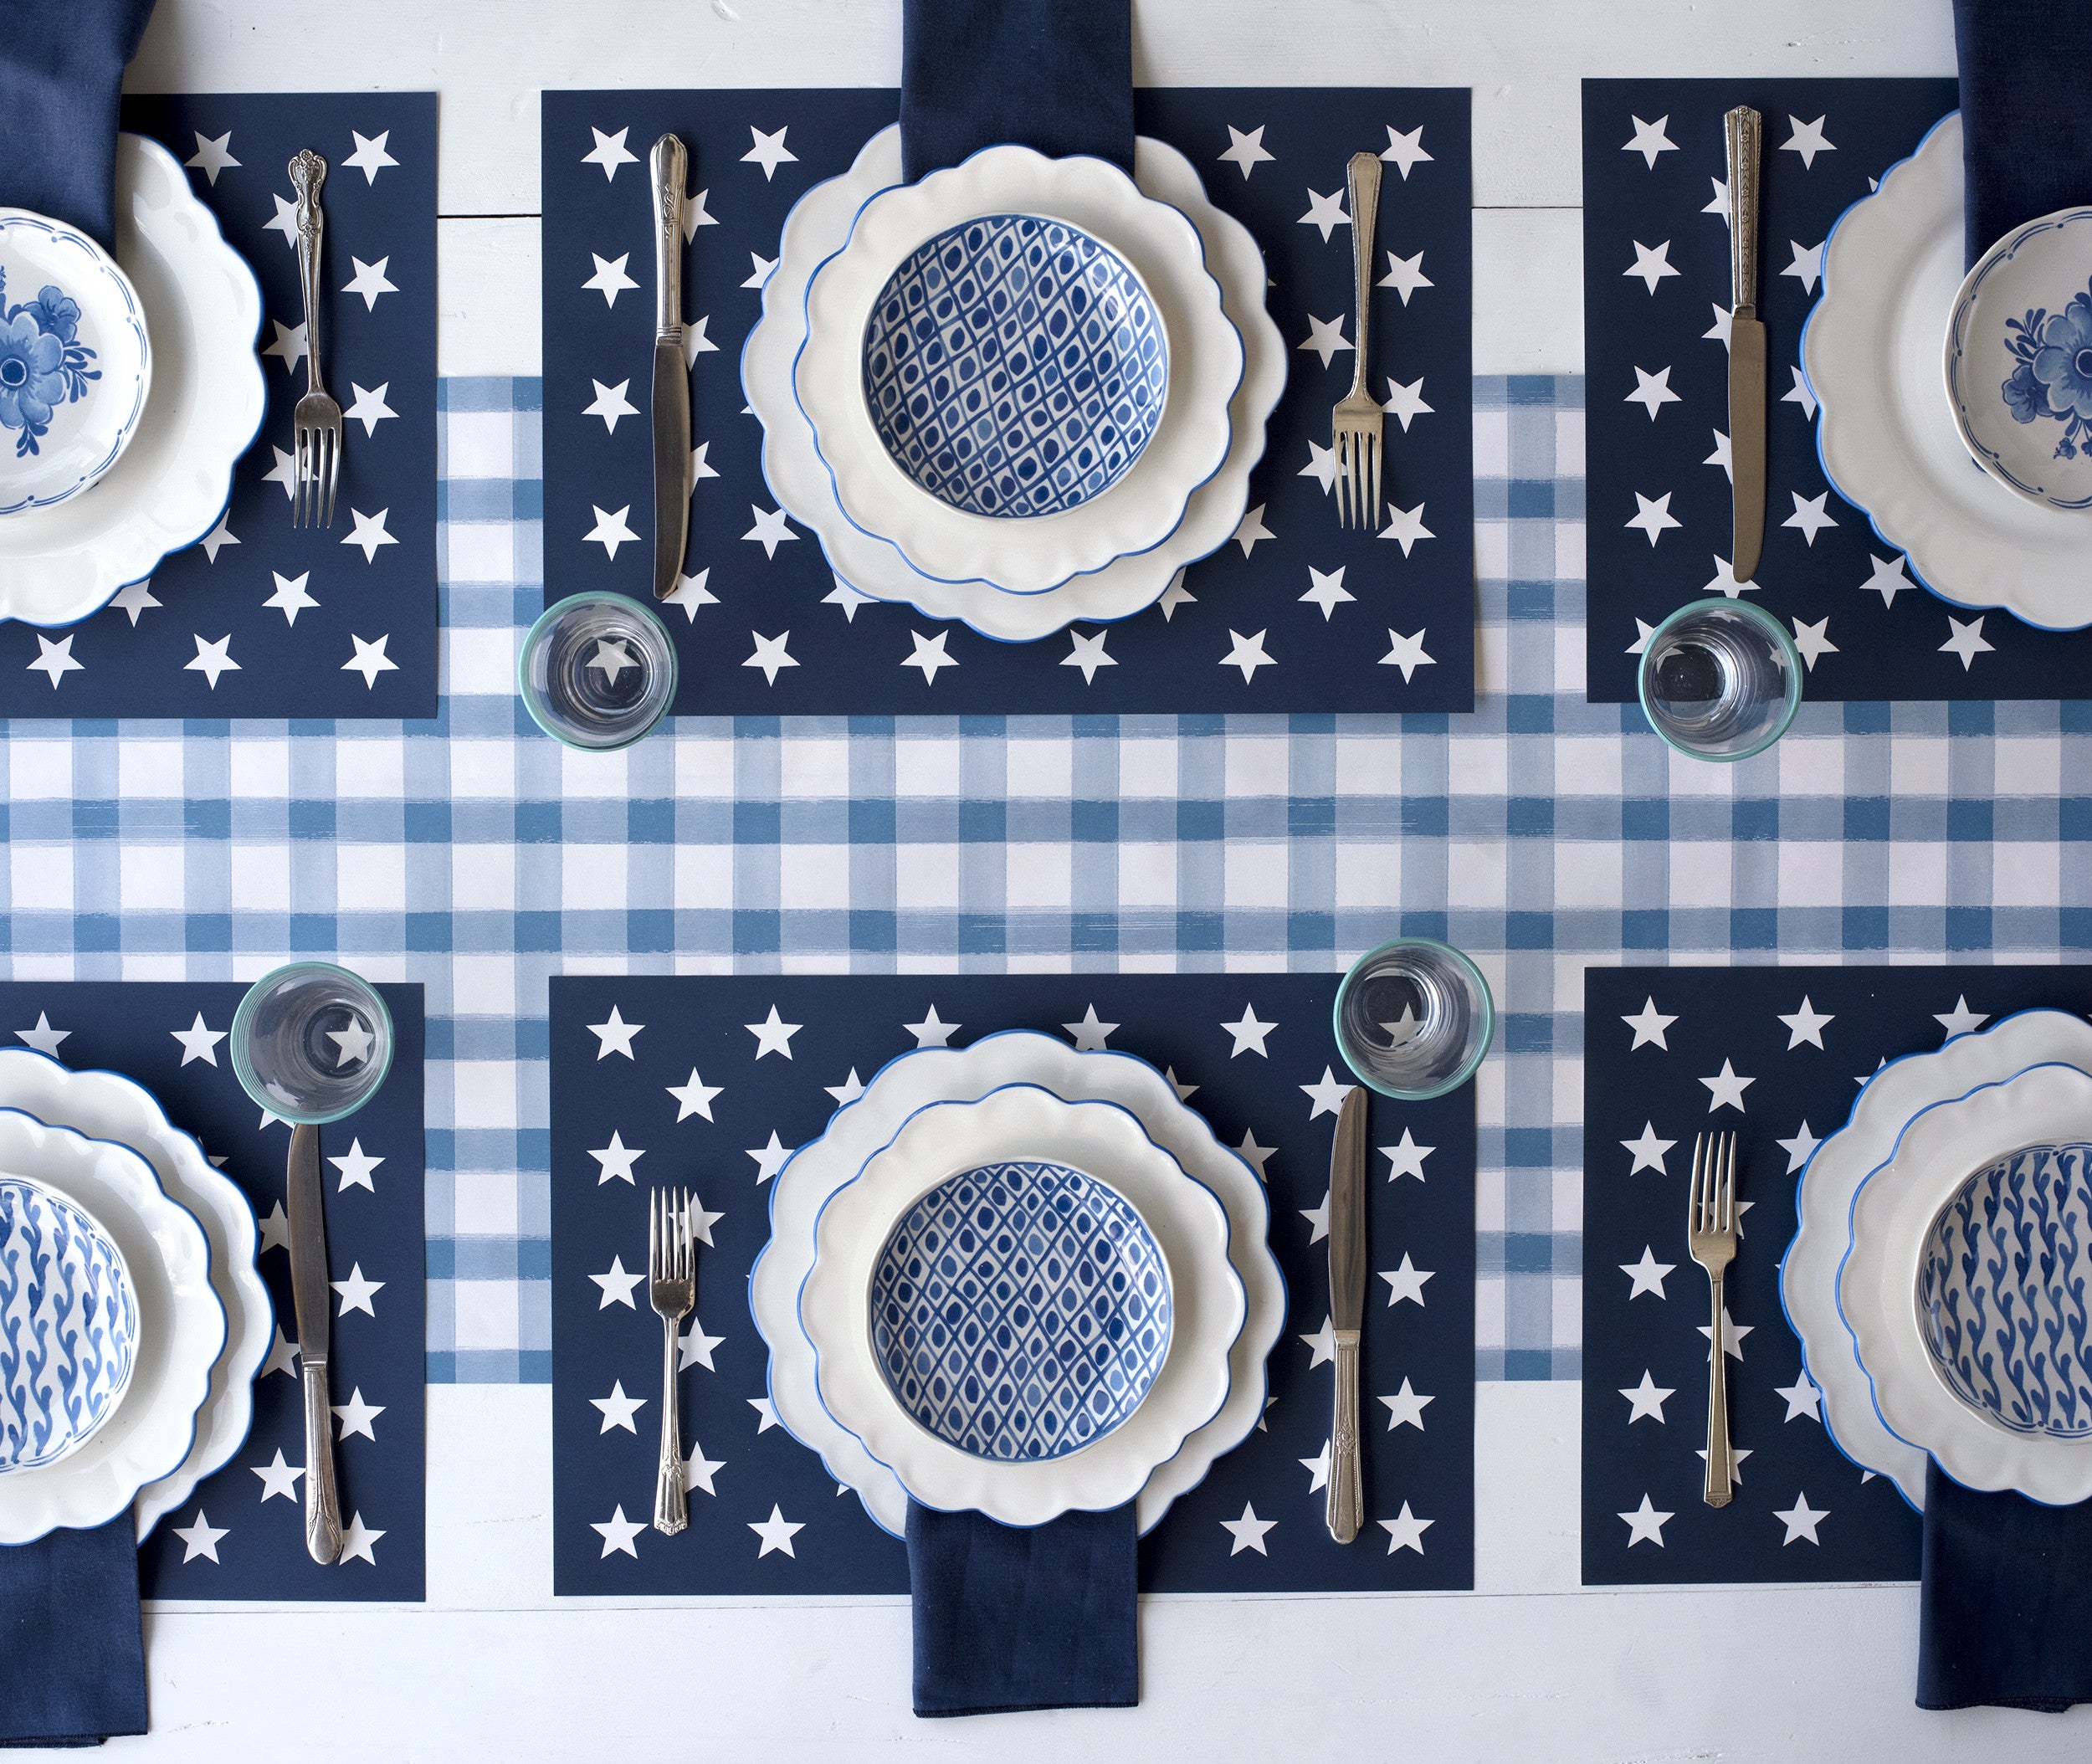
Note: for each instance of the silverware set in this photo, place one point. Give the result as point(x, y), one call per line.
point(1710, 1228)
point(1357, 418)
point(672, 1290)
point(316, 423)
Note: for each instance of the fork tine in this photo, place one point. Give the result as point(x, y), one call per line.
point(1343, 518)
point(1363, 453)
point(334, 473)
point(1694, 1200)
point(1373, 457)
point(684, 1255)
point(297, 477)
point(1729, 1183)
point(653, 1239)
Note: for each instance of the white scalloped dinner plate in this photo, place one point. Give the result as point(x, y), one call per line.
point(202, 313)
point(817, 227)
point(110, 1106)
point(937, 1075)
point(1886, 432)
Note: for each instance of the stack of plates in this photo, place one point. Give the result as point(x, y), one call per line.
point(1938, 1273)
point(132, 1315)
point(1017, 1279)
point(1021, 392)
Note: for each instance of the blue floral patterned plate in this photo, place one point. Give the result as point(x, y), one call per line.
point(2019, 360)
point(75, 364)
point(68, 1324)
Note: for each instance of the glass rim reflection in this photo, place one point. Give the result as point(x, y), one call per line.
point(1486, 1001)
point(243, 1030)
point(1745, 613)
point(531, 691)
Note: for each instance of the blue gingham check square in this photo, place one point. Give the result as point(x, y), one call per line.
point(1541, 833)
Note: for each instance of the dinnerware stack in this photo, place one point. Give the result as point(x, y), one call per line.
point(1021, 392)
point(131, 1312)
point(1019, 1279)
point(1937, 1275)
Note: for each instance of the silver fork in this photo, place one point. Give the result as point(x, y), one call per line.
point(672, 1290)
point(316, 423)
point(1358, 416)
point(1710, 1225)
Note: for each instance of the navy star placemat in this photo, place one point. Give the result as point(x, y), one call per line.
point(1296, 615)
point(661, 1080)
point(262, 619)
point(1656, 300)
point(241, 1535)
point(1775, 1054)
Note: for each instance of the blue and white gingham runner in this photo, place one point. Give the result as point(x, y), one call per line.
point(1541, 833)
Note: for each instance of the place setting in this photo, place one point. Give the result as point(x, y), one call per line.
point(969, 418)
point(1057, 1290)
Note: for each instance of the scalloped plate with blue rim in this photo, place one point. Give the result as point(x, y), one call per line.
point(75, 362)
point(2019, 360)
point(68, 1324)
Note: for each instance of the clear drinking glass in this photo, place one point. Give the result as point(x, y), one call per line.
point(1720, 679)
point(1414, 1018)
point(597, 671)
point(311, 1042)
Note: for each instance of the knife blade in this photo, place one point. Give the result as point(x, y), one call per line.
point(311, 1297)
point(1347, 1309)
point(669, 167)
point(1743, 127)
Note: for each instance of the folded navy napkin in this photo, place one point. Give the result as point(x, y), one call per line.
point(72, 1647)
point(2005, 1609)
point(1011, 1617)
point(2026, 130)
point(61, 70)
point(1053, 75)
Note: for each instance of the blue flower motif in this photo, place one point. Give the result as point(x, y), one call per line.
point(33, 380)
point(57, 313)
point(2025, 396)
point(2064, 361)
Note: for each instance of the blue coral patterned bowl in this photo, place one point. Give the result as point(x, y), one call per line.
point(75, 364)
point(1015, 366)
point(2019, 360)
point(68, 1324)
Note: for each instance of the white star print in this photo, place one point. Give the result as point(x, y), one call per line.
point(1406, 1530)
point(610, 280)
point(1407, 654)
point(1652, 263)
point(770, 530)
point(369, 407)
point(610, 153)
point(1732, 1335)
point(370, 281)
point(933, 1032)
point(848, 598)
point(357, 1541)
point(1645, 1524)
point(1649, 1024)
point(1650, 139)
point(616, 1159)
point(1646, 1400)
point(370, 533)
point(759, 269)
point(201, 1538)
point(1405, 275)
point(284, 471)
point(929, 655)
point(1806, 140)
point(1802, 1398)
point(285, 222)
point(611, 658)
point(849, 1090)
point(1088, 655)
point(1809, 515)
point(694, 1098)
point(1323, 1342)
point(1652, 515)
point(290, 598)
point(1251, 529)
point(771, 1035)
point(1247, 654)
point(1318, 1468)
point(1406, 1158)
point(1724, 581)
point(1801, 1521)
point(1249, 1034)
point(212, 157)
point(370, 661)
point(357, 1166)
point(1719, 202)
point(1967, 642)
point(1174, 596)
point(1405, 1408)
point(1322, 466)
point(1806, 1024)
point(617, 1533)
point(1326, 592)
point(1406, 403)
point(695, 215)
point(290, 344)
point(1247, 1531)
point(1720, 456)
point(696, 343)
point(1648, 1151)
point(1719, 331)
point(43, 1038)
point(1736, 1455)
point(283, 1354)
point(222, 535)
point(617, 1285)
point(1406, 1282)
point(1318, 1218)
point(1405, 151)
point(777, 1532)
point(356, 1292)
point(618, 1409)
point(1652, 391)
point(1407, 525)
point(1799, 1148)
point(1961, 1019)
point(698, 1471)
point(769, 152)
point(1888, 578)
point(370, 157)
point(1724, 1089)
point(1808, 265)
point(1647, 1274)
point(690, 594)
point(610, 404)
point(356, 1416)
point(610, 530)
point(771, 655)
point(1090, 1035)
point(766, 1414)
point(1799, 394)
point(1254, 1155)
point(770, 1159)
point(1325, 337)
point(1246, 152)
point(1325, 213)
point(693, 1347)
point(198, 1043)
point(700, 1221)
point(56, 658)
point(278, 1478)
point(1328, 1095)
point(1810, 642)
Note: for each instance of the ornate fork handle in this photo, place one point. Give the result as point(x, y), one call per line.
point(1717, 1490)
point(1346, 1507)
point(308, 173)
point(671, 1505)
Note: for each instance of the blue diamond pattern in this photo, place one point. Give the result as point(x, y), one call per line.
point(1015, 366)
point(1021, 1310)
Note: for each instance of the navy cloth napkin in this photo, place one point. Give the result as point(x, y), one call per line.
point(2026, 132)
point(61, 69)
point(2005, 1610)
point(1053, 75)
point(72, 1647)
point(1022, 1617)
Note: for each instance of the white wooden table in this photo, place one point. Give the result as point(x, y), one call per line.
point(491, 1667)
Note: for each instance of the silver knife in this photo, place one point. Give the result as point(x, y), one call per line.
point(1347, 1310)
point(312, 1298)
point(1746, 344)
point(669, 167)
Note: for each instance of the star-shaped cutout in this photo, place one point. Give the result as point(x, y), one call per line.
point(357, 1166)
point(1246, 152)
point(1405, 1408)
point(930, 655)
point(212, 157)
point(1407, 654)
point(1328, 1095)
point(1247, 1532)
point(772, 1036)
point(1405, 275)
point(1406, 403)
point(1732, 1335)
point(370, 661)
point(610, 280)
point(1801, 1521)
point(1325, 213)
point(200, 1537)
point(771, 655)
point(1327, 590)
point(1246, 653)
point(1325, 337)
point(933, 1032)
point(848, 598)
point(198, 1043)
point(1645, 1524)
point(1404, 1532)
point(1323, 1342)
point(770, 1159)
point(769, 152)
point(222, 535)
point(290, 598)
point(1090, 1035)
point(847, 1091)
point(1802, 1399)
point(617, 1285)
point(1647, 1274)
point(1806, 140)
point(1249, 1034)
point(279, 1478)
point(770, 530)
point(1645, 1400)
point(357, 1292)
point(777, 1532)
point(610, 153)
point(1406, 1282)
point(617, 1533)
point(133, 598)
point(1254, 1155)
point(1652, 263)
point(290, 344)
point(610, 530)
point(1652, 391)
point(356, 1416)
point(611, 404)
point(1407, 1157)
point(1404, 150)
point(1088, 655)
point(1649, 1024)
point(1648, 1151)
point(1250, 529)
point(1806, 1024)
point(1960, 1020)
point(1809, 515)
point(369, 407)
point(1812, 642)
point(694, 1098)
point(43, 1038)
point(1799, 1148)
point(56, 659)
point(1724, 1089)
point(370, 280)
point(283, 1354)
point(1808, 265)
point(1888, 578)
point(1650, 139)
point(614, 1162)
point(370, 157)
point(1653, 514)
point(370, 533)
point(1967, 642)
point(618, 1409)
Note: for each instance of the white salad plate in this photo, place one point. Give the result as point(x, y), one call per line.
point(1885, 430)
point(2019, 360)
point(75, 364)
point(817, 226)
point(68, 1324)
point(203, 309)
point(988, 1434)
point(818, 1169)
point(1882, 1285)
point(106, 1106)
point(181, 1330)
point(1824, 1210)
point(993, 335)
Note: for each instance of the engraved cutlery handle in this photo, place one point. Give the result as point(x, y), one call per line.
point(308, 173)
point(671, 1504)
point(323, 1505)
point(1347, 1495)
point(1717, 1488)
point(668, 166)
point(1743, 127)
point(1363, 177)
